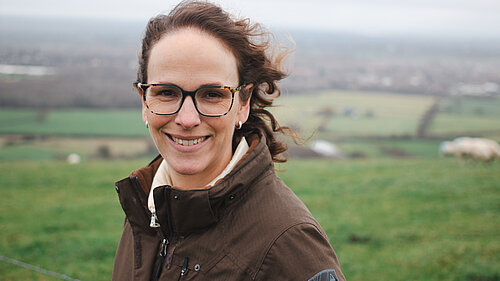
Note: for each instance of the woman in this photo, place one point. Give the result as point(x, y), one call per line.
point(210, 206)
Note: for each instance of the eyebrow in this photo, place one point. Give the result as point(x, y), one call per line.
point(218, 84)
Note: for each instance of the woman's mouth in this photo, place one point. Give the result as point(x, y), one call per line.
point(187, 142)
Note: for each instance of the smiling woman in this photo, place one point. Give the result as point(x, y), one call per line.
point(192, 58)
point(210, 206)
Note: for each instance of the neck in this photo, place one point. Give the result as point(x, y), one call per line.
point(199, 180)
point(189, 182)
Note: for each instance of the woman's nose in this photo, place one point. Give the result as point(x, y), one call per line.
point(188, 117)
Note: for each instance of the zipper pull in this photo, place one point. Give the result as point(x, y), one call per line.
point(164, 246)
point(154, 220)
point(184, 268)
point(163, 253)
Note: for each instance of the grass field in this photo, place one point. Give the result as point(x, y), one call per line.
point(468, 115)
point(58, 148)
point(412, 219)
point(390, 114)
point(381, 125)
point(372, 114)
point(73, 122)
point(419, 217)
point(390, 148)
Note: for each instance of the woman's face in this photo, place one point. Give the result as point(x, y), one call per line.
point(191, 59)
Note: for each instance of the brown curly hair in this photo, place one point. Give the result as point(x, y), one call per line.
point(250, 44)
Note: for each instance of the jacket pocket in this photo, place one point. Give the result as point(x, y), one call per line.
point(137, 252)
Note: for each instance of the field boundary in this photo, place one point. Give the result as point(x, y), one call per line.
point(37, 269)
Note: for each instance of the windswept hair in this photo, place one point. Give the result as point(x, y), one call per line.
point(252, 47)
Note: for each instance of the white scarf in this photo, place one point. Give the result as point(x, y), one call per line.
point(162, 177)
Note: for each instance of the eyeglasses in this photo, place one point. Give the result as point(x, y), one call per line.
point(165, 99)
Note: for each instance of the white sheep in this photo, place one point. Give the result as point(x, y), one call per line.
point(326, 149)
point(476, 148)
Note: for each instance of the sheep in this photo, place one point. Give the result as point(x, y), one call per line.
point(326, 149)
point(475, 148)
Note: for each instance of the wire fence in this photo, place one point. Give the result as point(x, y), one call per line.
point(37, 269)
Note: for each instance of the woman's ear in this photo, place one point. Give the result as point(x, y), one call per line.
point(144, 108)
point(144, 112)
point(244, 109)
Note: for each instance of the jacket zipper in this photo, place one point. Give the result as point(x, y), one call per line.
point(165, 242)
point(163, 254)
point(184, 268)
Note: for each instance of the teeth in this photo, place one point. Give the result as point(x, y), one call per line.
point(188, 142)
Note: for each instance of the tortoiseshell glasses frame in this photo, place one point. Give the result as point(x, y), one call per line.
point(207, 103)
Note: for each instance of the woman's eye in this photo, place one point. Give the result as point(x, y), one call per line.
point(167, 93)
point(211, 95)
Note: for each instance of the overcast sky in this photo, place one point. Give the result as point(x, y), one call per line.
point(477, 18)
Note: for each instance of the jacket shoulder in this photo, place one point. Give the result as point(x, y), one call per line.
point(276, 206)
point(299, 253)
point(271, 215)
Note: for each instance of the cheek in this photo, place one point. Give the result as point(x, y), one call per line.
point(225, 128)
point(156, 121)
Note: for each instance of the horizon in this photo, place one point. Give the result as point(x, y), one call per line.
point(385, 18)
point(52, 24)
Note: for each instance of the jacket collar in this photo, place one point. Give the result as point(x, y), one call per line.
point(162, 176)
point(185, 211)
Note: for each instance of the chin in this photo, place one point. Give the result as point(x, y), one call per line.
point(186, 169)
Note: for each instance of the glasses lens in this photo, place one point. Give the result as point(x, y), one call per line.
point(163, 99)
point(213, 101)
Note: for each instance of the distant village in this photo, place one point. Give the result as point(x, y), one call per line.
point(85, 69)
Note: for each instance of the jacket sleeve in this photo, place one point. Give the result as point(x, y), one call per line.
point(301, 253)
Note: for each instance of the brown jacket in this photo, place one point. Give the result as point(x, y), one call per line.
point(249, 226)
